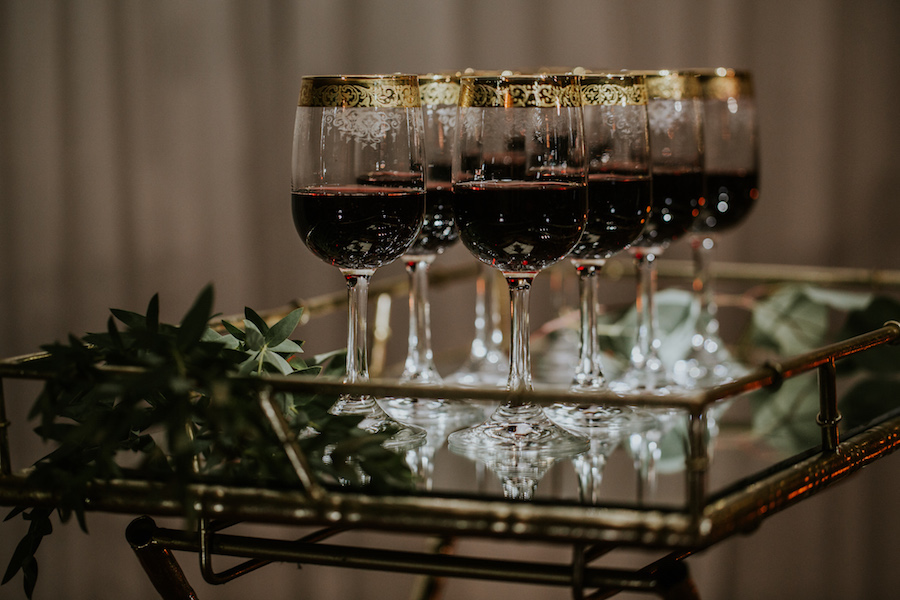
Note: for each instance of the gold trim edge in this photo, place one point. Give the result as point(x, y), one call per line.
point(376, 92)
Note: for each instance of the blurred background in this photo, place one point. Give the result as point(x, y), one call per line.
point(145, 147)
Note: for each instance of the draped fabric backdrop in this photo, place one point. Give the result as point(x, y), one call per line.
point(145, 147)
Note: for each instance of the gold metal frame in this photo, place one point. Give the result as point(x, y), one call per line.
point(591, 531)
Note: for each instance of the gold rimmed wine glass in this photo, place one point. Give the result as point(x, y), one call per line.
point(731, 169)
point(439, 94)
point(617, 143)
point(358, 199)
point(675, 113)
point(520, 200)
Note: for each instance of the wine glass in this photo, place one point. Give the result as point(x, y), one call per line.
point(439, 94)
point(358, 199)
point(675, 110)
point(619, 186)
point(520, 201)
point(731, 168)
point(486, 363)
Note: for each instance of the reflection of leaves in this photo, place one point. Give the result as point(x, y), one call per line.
point(792, 319)
point(675, 327)
point(876, 388)
point(789, 322)
point(869, 399)
point(787, 416)
point(884, 359)
point(799, 318)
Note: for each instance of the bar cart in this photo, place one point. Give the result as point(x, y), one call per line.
point(670, 533)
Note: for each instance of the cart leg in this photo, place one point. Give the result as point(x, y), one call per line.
point(430, 587)
point(159, 563)
point(676, 582)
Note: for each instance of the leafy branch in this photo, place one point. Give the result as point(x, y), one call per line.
point(150, 400)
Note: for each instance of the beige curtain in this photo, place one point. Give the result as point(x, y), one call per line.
point(145, 147)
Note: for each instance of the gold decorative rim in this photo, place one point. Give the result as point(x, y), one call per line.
point(613, 89)
point(437, 89)
point(520, 91)
point(371, 91)
point(723, 83)
point(672, 85)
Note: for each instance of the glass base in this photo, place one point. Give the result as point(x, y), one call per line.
point(438, 418)
point(523, 428)
point(375, 420)
point(592, 421)
point(707, 365)
point(518, 444)
point(430, 413)
point(645, 381)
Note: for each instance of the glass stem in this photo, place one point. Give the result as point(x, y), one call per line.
point(704, 307)
point(589, 372)
point(519, 338)
point(645, 355)
point(493, 297)
point(519, 488)
point(358, 296)
point(420, 357)
point(641, 347)
point(481, 340)
point(357, 362)
point(421, 461)
point(589, 468)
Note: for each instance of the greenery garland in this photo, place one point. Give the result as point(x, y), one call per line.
point(181, 415)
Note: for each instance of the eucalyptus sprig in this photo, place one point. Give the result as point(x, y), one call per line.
point(177, 414)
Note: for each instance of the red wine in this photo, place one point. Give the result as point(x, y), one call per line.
point(618, 206)
point(728, 200)
point(439, 228)
point(358, 227)
point(520, 226)
point(676, 204)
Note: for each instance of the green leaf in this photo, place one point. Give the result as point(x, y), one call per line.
point(287, 347)
point(237, 332)
point(195, 321)
point(843, 300)
point(786, 417)
point(280, 331)
point(132, 320)
point(790, 322)
point(249, 366)
point(30, 575)
point(23, 556)
point(113, 333)
point(278, 362)
point(252, 316)
point(153, 314)
point(253, 337)
point(334, 363)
